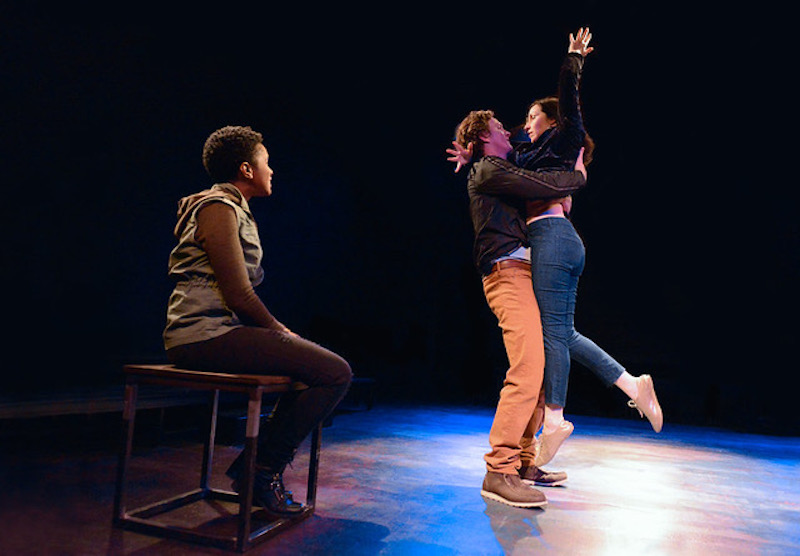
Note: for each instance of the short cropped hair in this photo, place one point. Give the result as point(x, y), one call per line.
point(471, 128)
point(226, 149)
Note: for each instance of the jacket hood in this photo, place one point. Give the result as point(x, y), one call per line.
point(187, 205)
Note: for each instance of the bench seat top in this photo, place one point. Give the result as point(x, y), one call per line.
point(173, 373)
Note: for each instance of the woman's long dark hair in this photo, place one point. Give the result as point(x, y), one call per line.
point(549, 107)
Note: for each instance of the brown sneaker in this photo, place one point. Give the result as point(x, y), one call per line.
point(508, 488)
point(534, 476)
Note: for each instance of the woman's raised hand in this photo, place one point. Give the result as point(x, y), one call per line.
point(580, 44)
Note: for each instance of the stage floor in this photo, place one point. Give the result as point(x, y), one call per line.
point(406, 480)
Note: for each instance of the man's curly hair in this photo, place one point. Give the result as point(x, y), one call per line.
point(471, 128)
point(226, 149)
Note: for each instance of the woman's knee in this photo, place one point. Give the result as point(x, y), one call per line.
point(341, 372)
point(332, 369)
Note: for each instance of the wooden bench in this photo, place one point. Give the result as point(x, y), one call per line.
point(144, 519)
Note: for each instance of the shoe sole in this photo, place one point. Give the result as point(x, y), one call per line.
point(550, 484)
point(498, 498)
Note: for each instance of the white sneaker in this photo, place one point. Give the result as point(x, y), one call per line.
point(549, 443)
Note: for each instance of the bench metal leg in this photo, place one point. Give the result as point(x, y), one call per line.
point(129, 417)
point(246, 483)
point(208, 448)
point(313, 467)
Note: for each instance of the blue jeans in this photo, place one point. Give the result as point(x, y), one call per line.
point(557, 259)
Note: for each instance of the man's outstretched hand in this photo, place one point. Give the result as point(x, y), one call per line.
point(460, 155)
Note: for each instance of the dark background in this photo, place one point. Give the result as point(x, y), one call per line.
point(689, 217)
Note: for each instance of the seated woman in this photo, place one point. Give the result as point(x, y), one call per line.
point(216, 321)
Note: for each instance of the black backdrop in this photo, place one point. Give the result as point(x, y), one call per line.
point(689, 216)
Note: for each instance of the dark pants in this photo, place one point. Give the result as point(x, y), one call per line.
point(251, 350)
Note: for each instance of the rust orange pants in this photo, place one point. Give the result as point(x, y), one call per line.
point(520, 409)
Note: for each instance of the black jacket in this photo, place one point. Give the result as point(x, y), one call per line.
point(497, 193)
point(558, 147)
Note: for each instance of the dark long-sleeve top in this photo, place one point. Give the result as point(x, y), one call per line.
point(558, 147)
point(497, 192)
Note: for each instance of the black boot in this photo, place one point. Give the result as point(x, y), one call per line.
point(269, 493)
